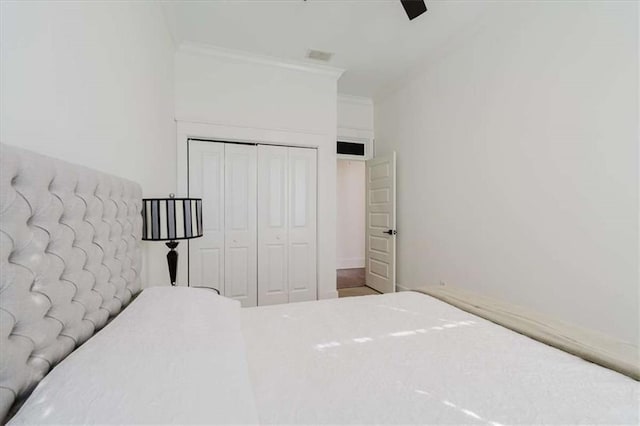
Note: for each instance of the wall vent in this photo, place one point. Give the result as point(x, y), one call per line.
point(319, 55)
point(351, 148)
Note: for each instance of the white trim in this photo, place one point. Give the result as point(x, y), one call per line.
point(328, 295)
point(401, 288)
point(206, 49)
point(226, 133)
point(186, 130)
point(206, 126)
point(365, 137)
point(355, 100)
point(355, 133)
point(354, 262)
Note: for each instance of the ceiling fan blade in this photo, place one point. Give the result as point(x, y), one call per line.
point(414, 8)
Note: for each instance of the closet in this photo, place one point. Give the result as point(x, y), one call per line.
point(259, 221)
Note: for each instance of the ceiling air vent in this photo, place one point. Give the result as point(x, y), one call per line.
point(319, 55)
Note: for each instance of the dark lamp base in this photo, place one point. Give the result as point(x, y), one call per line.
point(172, 261)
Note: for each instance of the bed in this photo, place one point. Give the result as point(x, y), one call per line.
point(403, 358)
point(409, 358)
point(76, 350)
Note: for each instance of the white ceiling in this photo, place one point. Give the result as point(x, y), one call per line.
point(372, 40)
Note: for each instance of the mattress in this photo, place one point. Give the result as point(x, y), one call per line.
point(189, 356)
point(174, 356)
point(410, 358)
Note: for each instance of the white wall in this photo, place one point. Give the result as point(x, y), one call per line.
point(355, 112)
point(518, 164)
point(355, 121)
point(92, 83)
point(233, 97)
point(351, 210)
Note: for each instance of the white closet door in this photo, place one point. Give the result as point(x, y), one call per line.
point(273, 286)
point(302, 225)
point(240, 276)
point(206, 181)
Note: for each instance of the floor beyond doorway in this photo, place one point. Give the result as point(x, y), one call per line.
point(349, 278)
point(356, 291)
point(350, 282)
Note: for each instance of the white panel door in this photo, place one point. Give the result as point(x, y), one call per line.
point(302, 225)
point(381, 224)
point(273, 199)
point(206, 181)
point(240, 278)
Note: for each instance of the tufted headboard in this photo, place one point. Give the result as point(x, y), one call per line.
point(70, 259)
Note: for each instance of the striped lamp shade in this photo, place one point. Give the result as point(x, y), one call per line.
point(170, 219)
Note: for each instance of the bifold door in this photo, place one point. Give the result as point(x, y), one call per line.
point(259, 221)
point(273, 225)
point(286, 224)
point(225, 258)
point(206, 180)
point(240, 237)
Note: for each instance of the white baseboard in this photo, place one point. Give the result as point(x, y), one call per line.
point(400, 288)
point(328, 295)
point(354, 262)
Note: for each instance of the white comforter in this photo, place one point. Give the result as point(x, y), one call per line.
point(410, 358)
point(179, 355)
point(175, 355)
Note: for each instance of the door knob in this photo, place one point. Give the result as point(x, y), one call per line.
point(390, 232)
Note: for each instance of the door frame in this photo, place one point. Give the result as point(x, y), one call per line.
point(186, 130)
point(364, 216)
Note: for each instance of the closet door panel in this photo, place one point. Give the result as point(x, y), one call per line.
point(210, 270)
point(240, 224)
point(272, 225)
point(206, 181)
point(302, 225)
point(300, 277)
point(238, 284)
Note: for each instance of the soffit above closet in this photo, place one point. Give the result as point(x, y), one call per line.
point(372, 40)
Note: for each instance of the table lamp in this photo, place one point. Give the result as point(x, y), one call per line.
point(171, 219)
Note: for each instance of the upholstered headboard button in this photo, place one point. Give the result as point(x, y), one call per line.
point(69, 258)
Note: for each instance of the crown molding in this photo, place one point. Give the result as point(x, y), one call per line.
point(356, 100)
point(238, 55)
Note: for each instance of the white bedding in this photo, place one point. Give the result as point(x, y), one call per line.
point(176, 355)
point(409, 358)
